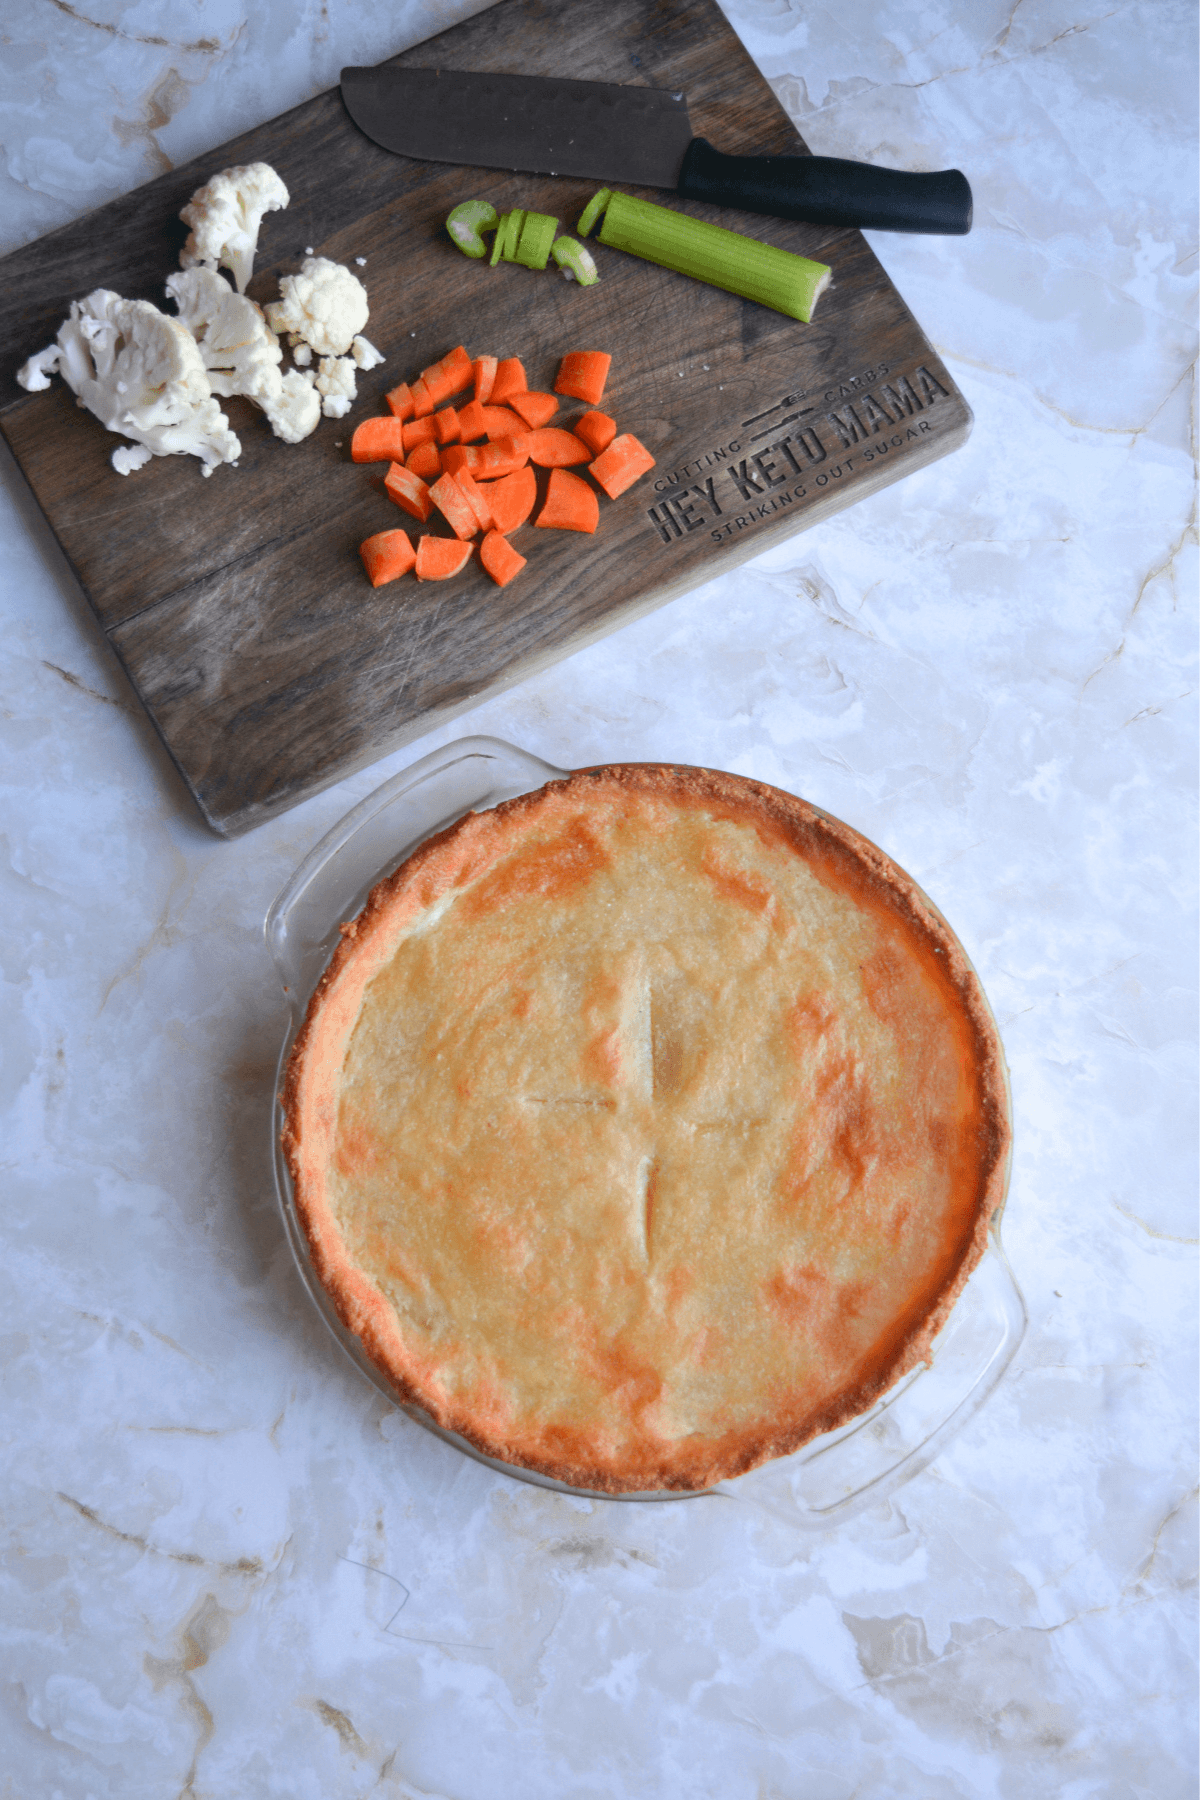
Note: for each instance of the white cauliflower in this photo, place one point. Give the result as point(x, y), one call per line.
point(366, 355)
point(324, 306)
point(241, 353)
point(225, 216)
point(142, 376)
point(337, 385)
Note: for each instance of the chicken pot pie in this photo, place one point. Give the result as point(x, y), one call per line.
point(646, 1126)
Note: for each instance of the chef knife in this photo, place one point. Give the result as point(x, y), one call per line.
point(639, 136)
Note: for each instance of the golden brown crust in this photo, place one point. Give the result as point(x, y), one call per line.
point(828, 1064)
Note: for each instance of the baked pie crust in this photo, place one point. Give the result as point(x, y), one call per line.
point(646, 1126)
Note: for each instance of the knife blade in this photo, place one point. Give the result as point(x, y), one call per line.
point(640, 136)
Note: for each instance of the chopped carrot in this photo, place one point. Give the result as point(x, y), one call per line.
point(536, 409)
point(499, 558)
point(596, 429)
point(552, 448)
point(378, 440)
point(455, 458)
point(490, 461)
point(477, 497)
point(387, 555)
point(439, 558)
point(582, 374)
point(447, 426)
point(510, 379)
point(618, 467)
point(400, 401)
point(423, 401)
point(457, 371)
point(425, 461)
point(417, 431)
point(454, 507)
point(485, 375)
point(511, 499)
point(408, 491)
point(570, 504)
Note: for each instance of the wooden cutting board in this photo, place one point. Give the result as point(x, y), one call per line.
point(238, 605)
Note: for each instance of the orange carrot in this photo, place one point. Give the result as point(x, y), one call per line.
point(416, 431)
point(485, 375)
point(491, 461)
point(425, 461)
point(536, 409)
point(408, 491)
point(387, 555)
point(511, 499)
point(499, 558)
point(400, 401)
point(446, 425)
point(552, 448)
point(423, 401)
point(378, 440)
point(570, 505)
point(451, 375)
point(454, 507)
point(582, 374)
point(477, 497)
point(596, 429)
point(618, 467)
point(455, 458)
point(439, 558)
point(510, 379)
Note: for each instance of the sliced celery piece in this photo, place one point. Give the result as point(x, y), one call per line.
point(508, 233)
point(467, 222)
point(777, 278)
point(592, 211)
point(537, 235)
point(576, 258)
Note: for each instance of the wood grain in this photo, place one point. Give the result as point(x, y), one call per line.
point(237, 604)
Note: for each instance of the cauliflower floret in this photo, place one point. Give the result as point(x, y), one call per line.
point(324, 305)
point(366, 355)
point(302, 355)
point(242, 353)
point(225, 216)
point(337, 385)
point(142, 375)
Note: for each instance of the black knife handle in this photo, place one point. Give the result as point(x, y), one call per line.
point(828, 190)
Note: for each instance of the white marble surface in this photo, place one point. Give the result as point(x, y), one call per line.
point(229, 1568)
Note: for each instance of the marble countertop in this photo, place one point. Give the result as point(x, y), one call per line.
point(231, 1569)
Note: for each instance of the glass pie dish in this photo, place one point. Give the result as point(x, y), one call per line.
point(829, 1477)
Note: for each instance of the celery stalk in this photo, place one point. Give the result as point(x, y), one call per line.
point(537, 236)
point(776, 278)
point(466, 223)
point(592, 211)
point(508, 234)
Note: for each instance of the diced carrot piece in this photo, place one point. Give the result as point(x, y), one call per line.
point(387, 555)
point(425, 461)
point(536, 409)
point(408, 491)
point(511, 499)
point(378, 440)
point(596, 429)
point(570, 505)
point(419, 431)
point(552, 448)
point(477, 497)
point(491, 461)
point(510, 379)
point(499, 558)
point(400, 401)
point(454, 507)
point(471, 422)
point(582, 374)
point(618, 467)
point(485, 374)
point(455, 458)
point(447, 426)
point(455, 372)
point(439, 558)
point(423, 401)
